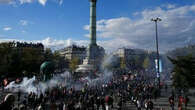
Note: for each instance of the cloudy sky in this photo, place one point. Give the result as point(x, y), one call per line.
point(121, 23)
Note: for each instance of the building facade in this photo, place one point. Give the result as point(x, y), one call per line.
point(74, 51)
point(128, 52)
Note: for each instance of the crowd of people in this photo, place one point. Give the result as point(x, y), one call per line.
point(182, 102)
point(114, 94)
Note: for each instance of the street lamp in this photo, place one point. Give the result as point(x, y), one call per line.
point(157, 50)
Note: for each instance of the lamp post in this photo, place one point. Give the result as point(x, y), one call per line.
point(156, 20)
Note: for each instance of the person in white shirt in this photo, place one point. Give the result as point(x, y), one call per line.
point(138, 105)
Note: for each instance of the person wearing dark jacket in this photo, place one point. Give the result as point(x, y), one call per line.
point(150, 105)
point(103, 103)
point(120, 104)
point(8, 102)
point(98, 102)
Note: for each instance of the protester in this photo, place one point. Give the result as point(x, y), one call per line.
point(186, 101)
point(171, 102)
point(150, 105)
point(103, 95)
point(138, 105)
point(8, 102)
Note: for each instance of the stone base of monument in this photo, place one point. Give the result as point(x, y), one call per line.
point(88, 68)
point(89, 65)
point(85, 68)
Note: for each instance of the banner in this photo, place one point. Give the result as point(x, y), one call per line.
point(160, 65)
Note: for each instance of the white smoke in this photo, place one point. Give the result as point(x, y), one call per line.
point(103, 78)
point(61, 80)
point(32, 85)
point(26, 85)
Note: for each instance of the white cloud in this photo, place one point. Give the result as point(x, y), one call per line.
point(60, 2)
point(6, 1)
point(42, 2)
point(59, 44)
point(114, 44)
point(7, 28)
point(170, 6)
point(53, 43)
point(23, 31)
point(23, 22)
point(136, 13)
point(16, 2)
point(25, 1)
point(177, 26)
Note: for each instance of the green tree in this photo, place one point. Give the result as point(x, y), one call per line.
point(18, 58)
point(59, 61)
point(73, 64)
point(31, 58)
point(122, 63)
point(146, 63)
point(138, 61)
point(183, 71)
point(48, 55)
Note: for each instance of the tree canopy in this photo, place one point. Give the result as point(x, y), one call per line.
point(183, 71)
point(18, 59)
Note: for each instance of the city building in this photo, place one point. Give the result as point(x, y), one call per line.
point(129, 56)
point(74, 51)
point(128, 52)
